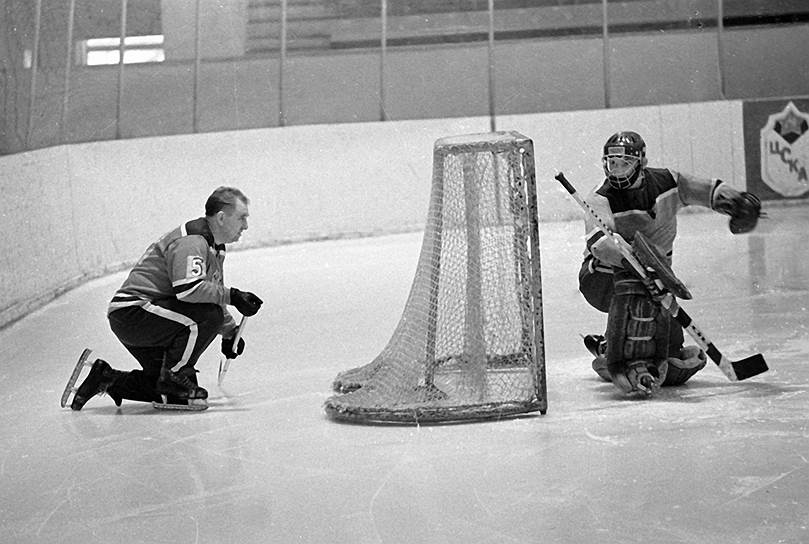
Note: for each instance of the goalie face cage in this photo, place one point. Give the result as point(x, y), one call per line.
point(469, 344)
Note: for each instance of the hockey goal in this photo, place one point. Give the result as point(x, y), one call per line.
point(470, 343)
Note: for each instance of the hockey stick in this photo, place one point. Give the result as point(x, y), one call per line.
point(223, 366)
point(734, 370)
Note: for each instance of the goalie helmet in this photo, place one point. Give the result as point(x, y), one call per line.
point(624, 158)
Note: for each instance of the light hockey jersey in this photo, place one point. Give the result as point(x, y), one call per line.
point(650, 208)
point(185, 264)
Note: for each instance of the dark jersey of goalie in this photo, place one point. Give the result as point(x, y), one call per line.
point(185, 264)
point(650, 208)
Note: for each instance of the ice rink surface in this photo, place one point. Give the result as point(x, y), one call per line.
point(710, 462)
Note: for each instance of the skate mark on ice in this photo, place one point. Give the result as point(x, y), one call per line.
point(401, 461)
point(56, 508)
point(753, 484)
point(605, 439)
point(293, 398)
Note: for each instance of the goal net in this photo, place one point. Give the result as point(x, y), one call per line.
point(469, 344)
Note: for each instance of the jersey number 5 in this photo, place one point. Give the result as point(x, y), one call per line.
point(195, 267)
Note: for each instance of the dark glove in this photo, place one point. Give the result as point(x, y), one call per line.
point(745, 217)
point(247, 303)
point(227, 347)
point(743, 208)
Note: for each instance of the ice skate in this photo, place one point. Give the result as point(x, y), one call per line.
point(639, 378)
point(99, 379)
point(596, 345)
point(70, 388)
point(178, 391)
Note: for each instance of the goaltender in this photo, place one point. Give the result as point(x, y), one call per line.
point(171, 307)
point(643, 348)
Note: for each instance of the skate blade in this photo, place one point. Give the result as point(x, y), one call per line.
point(193, 405)
point(70, 388)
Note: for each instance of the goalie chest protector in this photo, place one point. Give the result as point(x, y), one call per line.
point(651, 208)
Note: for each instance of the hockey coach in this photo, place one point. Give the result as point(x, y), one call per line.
point(171, 307)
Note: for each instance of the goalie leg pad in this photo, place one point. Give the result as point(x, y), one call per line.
point(680, 369)
point(600, 367)
point(632, 323)
point(637, 337)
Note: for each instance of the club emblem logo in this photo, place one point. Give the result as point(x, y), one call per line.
point(785, 152)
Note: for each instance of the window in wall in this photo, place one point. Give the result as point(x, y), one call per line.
point(137, 49)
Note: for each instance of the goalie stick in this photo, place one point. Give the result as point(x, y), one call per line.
point(734, 370)
point(223, 366)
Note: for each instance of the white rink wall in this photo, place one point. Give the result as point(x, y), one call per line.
point(76, 212)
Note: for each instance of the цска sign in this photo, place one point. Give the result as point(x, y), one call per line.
point(776, 134)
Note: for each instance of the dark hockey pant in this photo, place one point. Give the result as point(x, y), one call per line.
point(172, 332)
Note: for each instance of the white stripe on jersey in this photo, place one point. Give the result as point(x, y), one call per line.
point(187, 322)
point(184, 281)
point(184, 294)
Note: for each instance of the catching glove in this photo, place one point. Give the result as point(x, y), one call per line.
point(247, 303)
point(743, 208)
point(227, 347)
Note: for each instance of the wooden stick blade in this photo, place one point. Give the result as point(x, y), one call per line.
point(223, 369)
point(749, 367)
point(223, 366)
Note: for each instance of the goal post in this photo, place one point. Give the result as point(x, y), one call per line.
point(470, 342)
